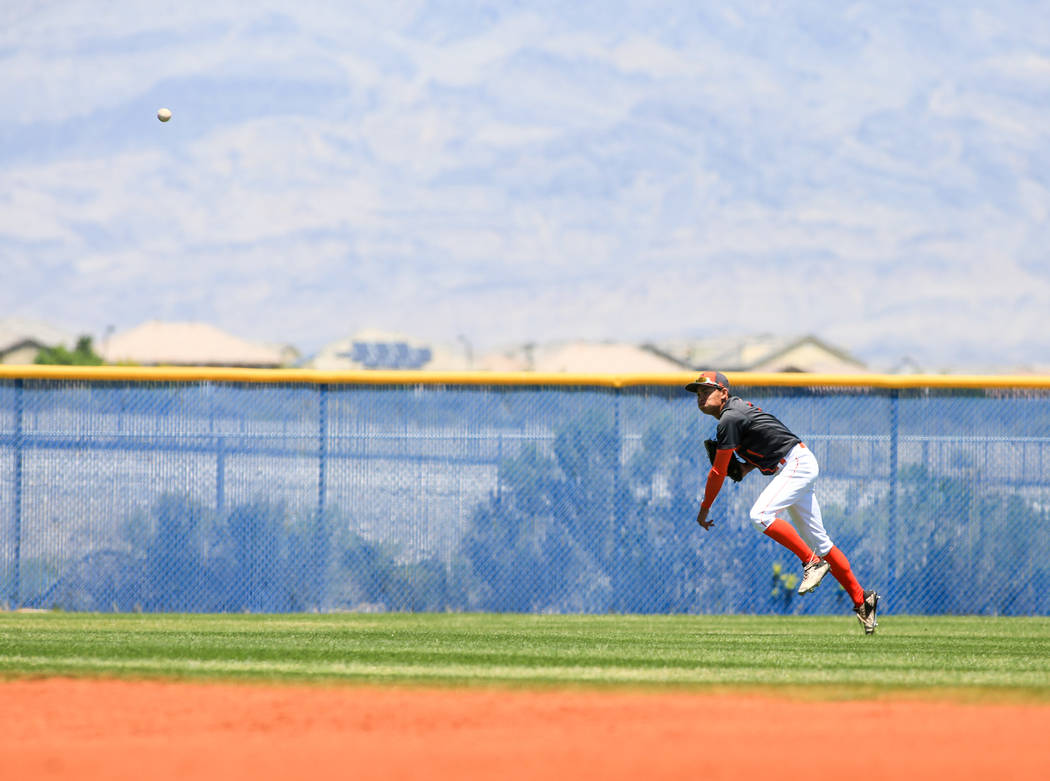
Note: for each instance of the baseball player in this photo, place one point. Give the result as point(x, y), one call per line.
point(766, 444)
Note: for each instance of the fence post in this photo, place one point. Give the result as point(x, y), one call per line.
point(16, 586)
point(891, 534)
point(618, 598)
point(320, 548)
point(220, 475)
point(499, 469)
point(219, 443)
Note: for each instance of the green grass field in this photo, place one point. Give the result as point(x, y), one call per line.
point(983, 658)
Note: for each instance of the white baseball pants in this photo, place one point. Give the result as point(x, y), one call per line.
point(792, 490)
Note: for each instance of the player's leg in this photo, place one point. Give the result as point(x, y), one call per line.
point(813, 571)
point(806, 512)
point(802, 470)
point(770, 510)
point(806, 515)
point(843, 573)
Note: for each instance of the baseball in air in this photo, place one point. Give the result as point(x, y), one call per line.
point(164, 114)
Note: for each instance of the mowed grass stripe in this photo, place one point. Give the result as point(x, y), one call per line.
point(465, 673)
point(908, 653)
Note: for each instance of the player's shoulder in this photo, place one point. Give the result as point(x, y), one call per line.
point(735, 407)
point(732, 415)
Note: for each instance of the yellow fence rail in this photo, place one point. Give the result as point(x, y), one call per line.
point(610, 380)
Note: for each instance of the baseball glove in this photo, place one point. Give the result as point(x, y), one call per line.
point(735, 472)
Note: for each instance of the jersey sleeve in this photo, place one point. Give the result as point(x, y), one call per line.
point(729, 434)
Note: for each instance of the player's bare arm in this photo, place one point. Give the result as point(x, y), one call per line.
point(715, 478)
point(701, 518)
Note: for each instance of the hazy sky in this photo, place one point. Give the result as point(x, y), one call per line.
point(874, 173)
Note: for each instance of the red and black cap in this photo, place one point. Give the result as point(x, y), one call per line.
point(709, 380)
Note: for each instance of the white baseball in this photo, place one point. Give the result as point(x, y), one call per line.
point(164, 114)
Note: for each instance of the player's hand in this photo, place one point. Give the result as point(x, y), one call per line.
point(701, 518)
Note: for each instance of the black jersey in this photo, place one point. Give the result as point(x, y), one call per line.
point(756, 436)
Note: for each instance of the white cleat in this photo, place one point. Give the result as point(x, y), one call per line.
point(812, 574)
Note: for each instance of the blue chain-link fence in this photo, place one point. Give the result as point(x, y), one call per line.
point(224, 496)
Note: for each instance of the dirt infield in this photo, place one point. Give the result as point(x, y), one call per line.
point(89, 729)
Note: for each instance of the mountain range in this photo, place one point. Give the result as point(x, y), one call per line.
point(875, 174)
